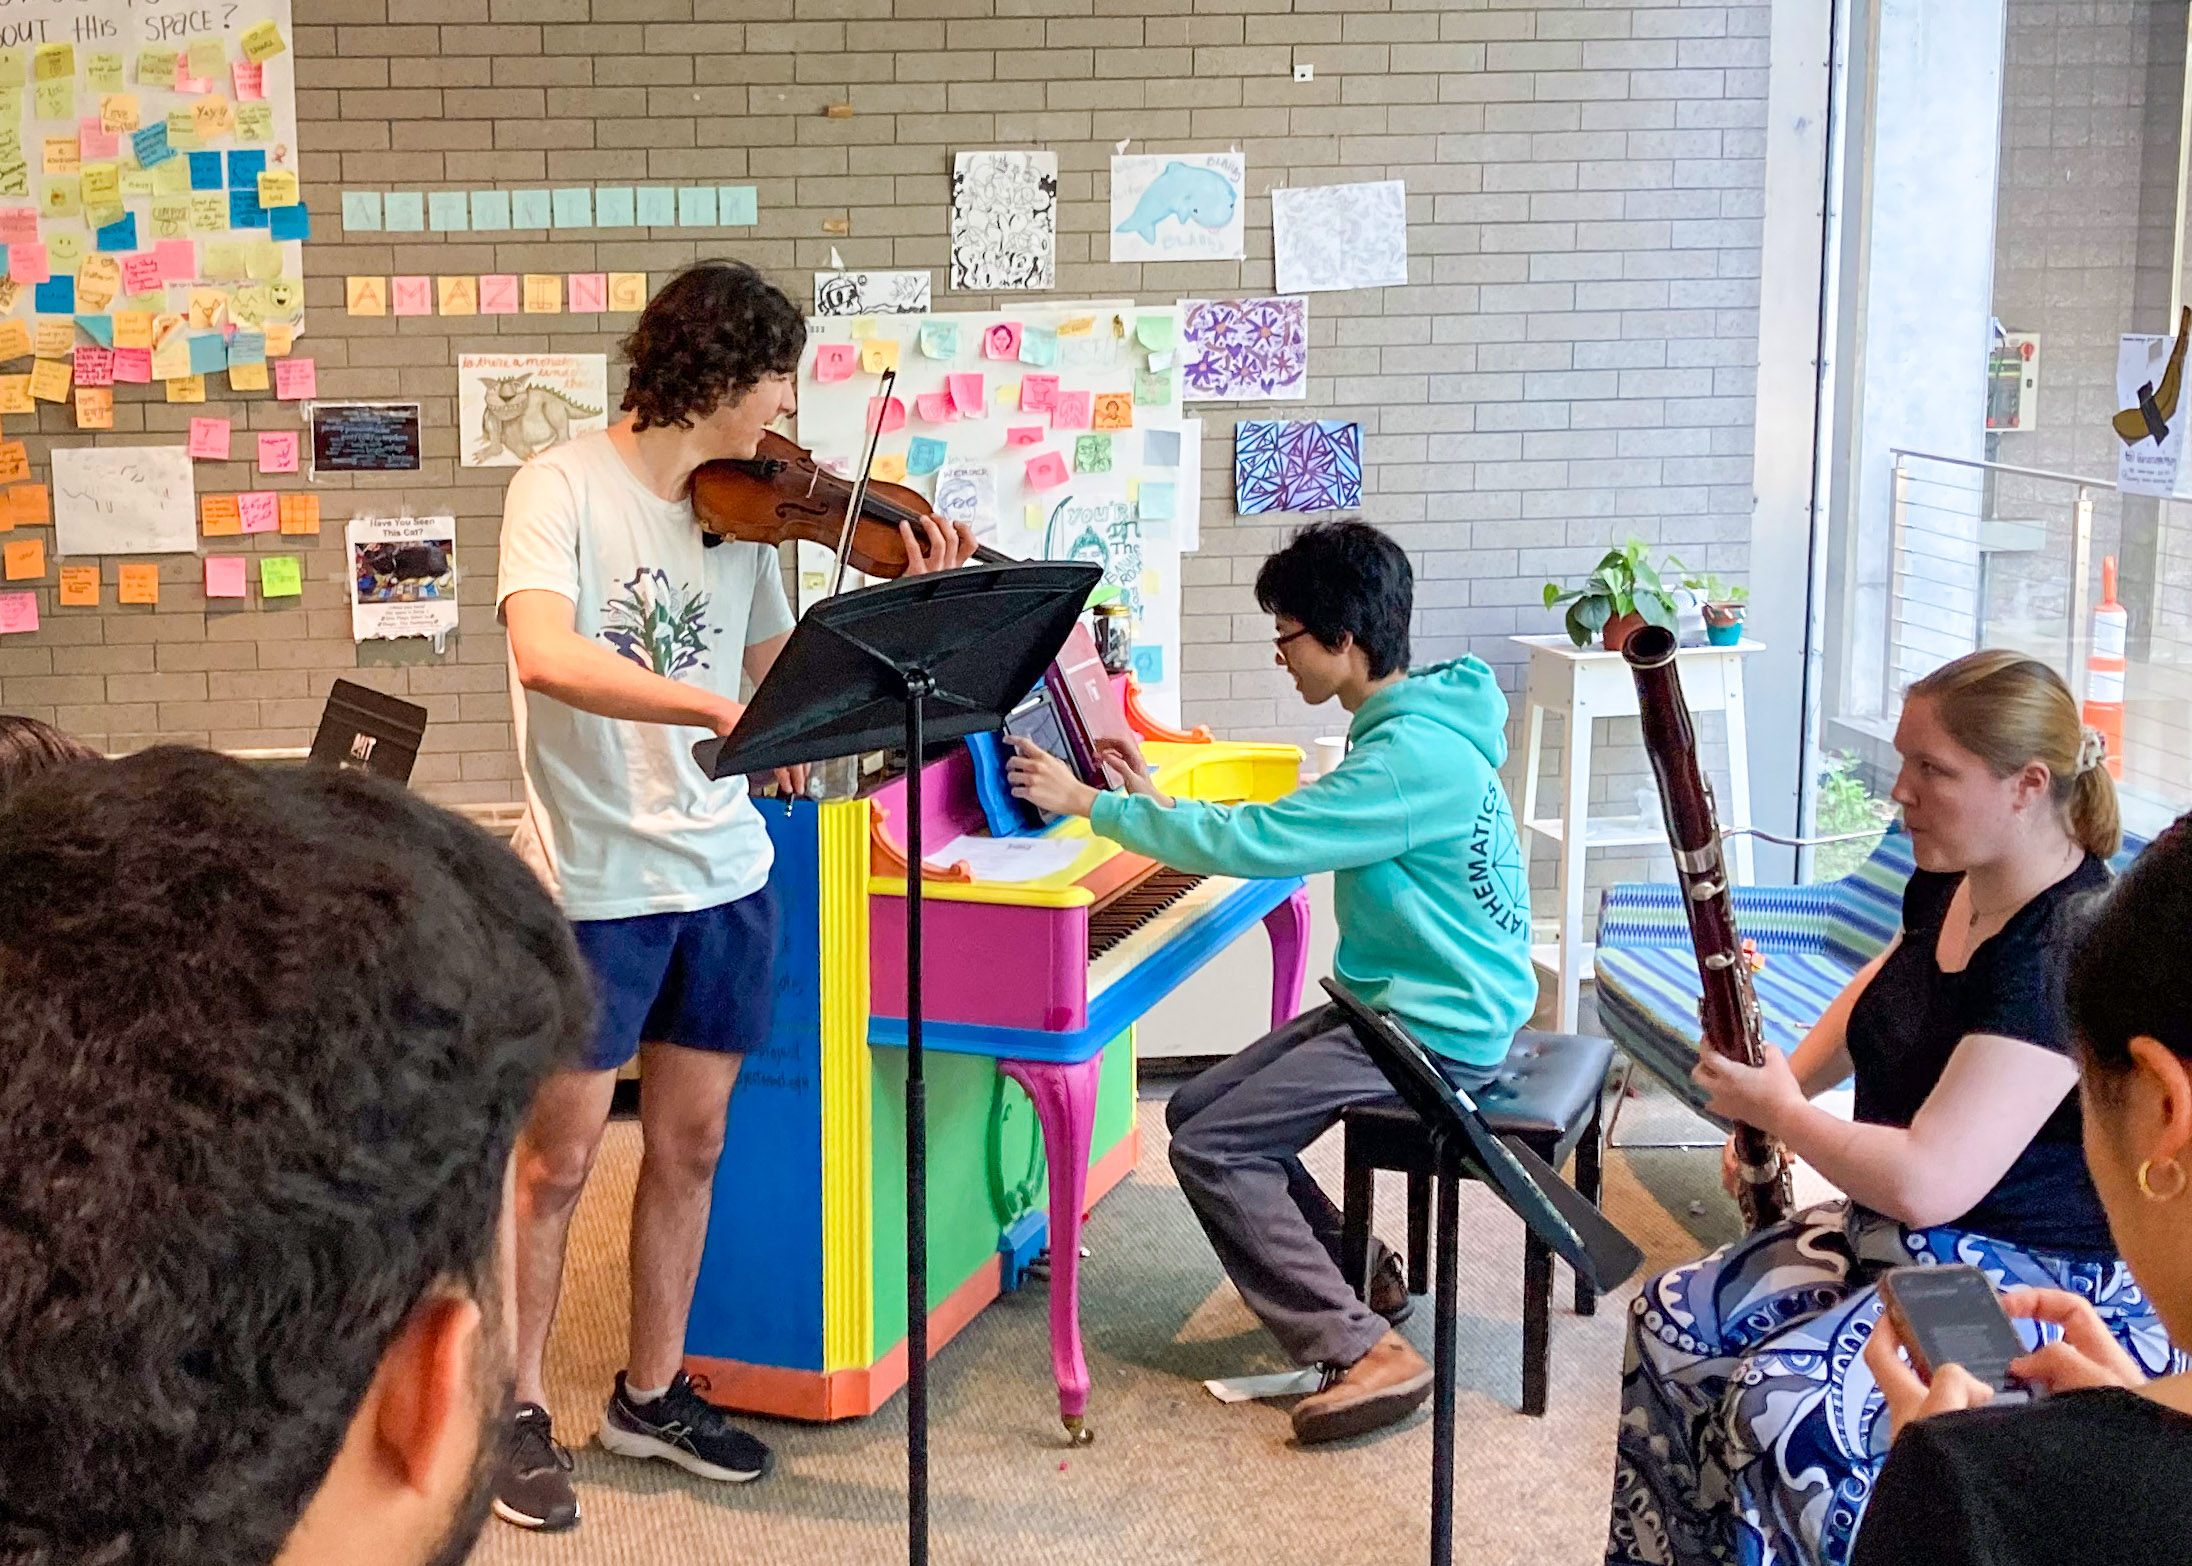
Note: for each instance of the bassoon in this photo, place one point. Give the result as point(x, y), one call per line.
point(1728, 1006)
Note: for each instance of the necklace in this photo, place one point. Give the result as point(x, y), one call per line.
point(1989, 916)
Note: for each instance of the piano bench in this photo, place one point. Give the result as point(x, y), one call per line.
point(1546, 1095)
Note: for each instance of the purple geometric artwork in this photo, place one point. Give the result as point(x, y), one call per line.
point(1296, 465)
point(1236, 350)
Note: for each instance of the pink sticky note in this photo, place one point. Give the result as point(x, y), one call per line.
point(224, 576)
point(209, 439)
point(894, 416)
point(18, 225)
point(1069, 411)
point(498, 294)
point(411, 295)
point(178, 259)
point(835, 361)
point(261, 510)
point(589, 293)
point(141, 274)
point(133, 365)
point(18, 612)
point(27, 263)
point(1002, 341)
point(1047, 471)
point(1024, 435)
point(1037, 392)
point(196, 86)
point(295, 378)
point(278, 451)
point(95, 366)
point(250, 79)
point(934, 407)
point(97, 141)
point(966, 393)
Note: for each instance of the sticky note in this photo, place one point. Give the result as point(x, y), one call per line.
point(31, 505)
point(208, 352)
point(543, 293)
point(894, 416)
point(1002, 341)
point(248, 77)
point(531, 209)
point(736, 206)
point(1092, 454)
point(207, 171)
point(572, 206)
point(490, 211)
point(447, 211)
point(156, 67)
point(860, 328)
point(141, 274)
point(1160, 448)
point(627, 290)
point(54, 100)
point(171, 356)
point(259, 511)
point(406, 296)
point(26, 559)
point(18, 612)
point(224, 576)
point(133, 366)
point(366, 295)
point(278, 451)
point(878, 354)
point(1079, 326)
point(614, 207)
point(404, 211)
point(589, 292)
point(94, 366)
point(966, 393)
point(170, 215)
point(1069, 410)
point(1038, 393)
point(1111, 411)
point(244, 210)
point(245, 166)
point(1157, 501)
point(62, 154)
point(280, 576)
point(79, 587)
point(218, 516)
point(696, 206)
point(53, 62)
point(14, 338)
point(64, 249)
point(56, 296)
point(296, 378)
point(208, 58)
point(50, 379)
point(27, 264)
point(834, 361)
point(300, 513)
point(940, 339)
point(14, 461)
point(1152, 390)
point(18, 225)
point(1038, 345)
point(209, 439)
point(261, 41)
point(95, 407)
point(15, 394)
point(1025, 435)
point(119, 235)
point(889, 466)
point(210, 211)
point(498, 294)
point(139, 583)
point(1047, 471)
point(936, 408)
point(263, 257)
point(1153, 332)
point(657, 206)
point(924, 455)
point(255, 121)
point(457, 295)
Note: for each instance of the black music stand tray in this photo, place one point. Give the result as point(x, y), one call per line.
point(932, 657)
point(1554, 1210)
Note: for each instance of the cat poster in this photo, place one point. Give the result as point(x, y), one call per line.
point(403, 577)
point(513, 406)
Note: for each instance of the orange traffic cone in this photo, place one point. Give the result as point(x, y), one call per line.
point(2104, 669)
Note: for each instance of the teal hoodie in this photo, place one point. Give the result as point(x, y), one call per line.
point(1429, 886)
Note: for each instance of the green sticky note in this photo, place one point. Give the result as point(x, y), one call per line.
point(657, 206)
point(1157, 502)
point(1092, 454)
point(1153, 332)
point(280, 576)
point(531, 209)
point(614, 207)
point(573, 207)
point(362, 210)
point(254, 122)
point(736, 206)
point(940, 339)
point(490, 210)
point(447, 211)
point(696, 206)
point(402, 211)
point(1151, 389)
point(55, 100)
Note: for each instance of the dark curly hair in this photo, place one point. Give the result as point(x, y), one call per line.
point(708, 338)
point(1344, 578)
point(2122, 985)
point(29, 749)
point(268, 1040)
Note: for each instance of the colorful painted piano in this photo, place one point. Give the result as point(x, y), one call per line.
point(1039, 981)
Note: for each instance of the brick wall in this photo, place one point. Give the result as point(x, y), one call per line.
point(1571, 361)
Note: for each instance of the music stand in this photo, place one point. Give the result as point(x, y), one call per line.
point(1554, 1210)
point(932, 657)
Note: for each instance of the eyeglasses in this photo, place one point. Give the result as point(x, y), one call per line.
point(1280, 642)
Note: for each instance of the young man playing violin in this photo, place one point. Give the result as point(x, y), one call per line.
point(630, 629)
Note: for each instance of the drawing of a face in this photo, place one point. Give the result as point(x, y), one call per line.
point(505, 394)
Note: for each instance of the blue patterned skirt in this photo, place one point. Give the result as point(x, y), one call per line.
point(1750, 1427)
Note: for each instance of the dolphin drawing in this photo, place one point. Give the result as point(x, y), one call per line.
point(1186, 193)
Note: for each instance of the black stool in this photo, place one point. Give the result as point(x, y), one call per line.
point(1546, 1095)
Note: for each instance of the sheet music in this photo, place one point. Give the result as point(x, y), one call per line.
point(1009, 858)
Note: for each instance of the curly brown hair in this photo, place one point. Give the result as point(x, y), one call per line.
point(709, 337)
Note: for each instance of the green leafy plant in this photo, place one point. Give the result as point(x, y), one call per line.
point(1623, 582)
point(1845, 804)
point(1712, 588)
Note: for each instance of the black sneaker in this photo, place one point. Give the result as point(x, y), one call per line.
point(684, 1428)
point(533, 1489)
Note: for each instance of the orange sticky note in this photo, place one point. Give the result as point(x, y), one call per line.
point(50, 379)
point(300, 513)
point(543, 293)
point(1113, 411)
point(14, 461)
point(79, 587)
point(890, 467)
point(26, 559)
point(95, 407)
point(281, 336)
point(459, 295)
point(627, 290)
point(140, 583)
point(878, 354)
point(218, 516)
point(367, 295)
point(14, 337)
point(30, 505)
point(186, 388)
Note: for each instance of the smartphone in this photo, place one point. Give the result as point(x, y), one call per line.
point(1952, 1316)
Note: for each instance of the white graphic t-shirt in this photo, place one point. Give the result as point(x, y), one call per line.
point(628, 822)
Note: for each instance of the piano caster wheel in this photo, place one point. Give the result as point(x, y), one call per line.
point(1078, 1432)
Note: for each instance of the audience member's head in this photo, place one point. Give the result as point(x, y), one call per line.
point(29, 749)
point(2130, 996)
point(1346, 585)
point(1996, 763)
point(267, 1042)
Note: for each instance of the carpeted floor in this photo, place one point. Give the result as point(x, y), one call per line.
point(1174, 1476)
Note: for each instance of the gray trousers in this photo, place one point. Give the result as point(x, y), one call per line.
point(1237, 1135)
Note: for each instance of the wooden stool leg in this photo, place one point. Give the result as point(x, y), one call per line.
point(1590, 1184)
point(1357, 1191)
point(1537, 1324)
point(1419, 1234)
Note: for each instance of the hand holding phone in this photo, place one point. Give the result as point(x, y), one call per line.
point(1959, 1338)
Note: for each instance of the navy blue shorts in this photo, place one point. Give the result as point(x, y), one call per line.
point(705, 980)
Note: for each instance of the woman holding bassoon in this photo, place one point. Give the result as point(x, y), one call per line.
point(1750, 1427)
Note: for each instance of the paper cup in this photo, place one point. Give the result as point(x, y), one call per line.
point(1331, 751)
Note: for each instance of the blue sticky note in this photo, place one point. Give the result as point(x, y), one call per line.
point(490, 210)
point(406, 211)
point(1149, 665)
point(657, 206)
point(1157, 502)
point(361, 208)
point(245, 165)
point(614, 207)
point(574, 207)
point(292, 222)
point(244, 210)
point(208, 353)
point(696, 207)
point(735, 206)
point(530, 209)
point(55, 296)
point(447, 210)
point(100, 328)
point(247, 348)
point(121, 234)
point(924, 455)
point(206, 172)
point(151, 147)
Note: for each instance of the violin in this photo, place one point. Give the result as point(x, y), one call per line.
point(781, 493)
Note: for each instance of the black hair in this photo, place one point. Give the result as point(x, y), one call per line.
point(29, 749)
point(708, 337)
point(268, 1040)
point(1344, 579)
point(2123, 984)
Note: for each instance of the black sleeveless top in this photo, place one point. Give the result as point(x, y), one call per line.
point(1912, 1016)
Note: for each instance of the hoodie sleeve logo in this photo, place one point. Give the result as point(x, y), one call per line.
point(1496, 876)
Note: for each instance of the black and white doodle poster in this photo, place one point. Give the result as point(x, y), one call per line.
point(1004, 220)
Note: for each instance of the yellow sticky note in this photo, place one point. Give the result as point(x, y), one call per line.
point(543, 293)
point(50, 379)
point(457, 295)
point(136, 184)
point(54, 100)
point(14, 338)
point(139, 583)
point(878, 354)
point(890, 467)
point(132, 329)
point(627, 290)
point(263, 259)
point(1009, 393)
point(170, 356)
point(208, 59)
point(15, 394)
point(262, 41)
point(212, 118)
point(98, 280)
point(1079, 326)
point(64, 250)
point(208, 307)
point(14, 66)
point(54, 62)
point(254, 122)
point(221, 261)
point(278, 188)
point(248, 377)
point(102, 187)
point(209, 212)
point(860, 328)
point(103, 72)
point(63, 155)
point(26, 559)
point(79, 587)
point(281, 336)
point(367, 295)
point(95, 407)
point(186, 388)
point(156, 67)
point(61, 196)
point(118, 111)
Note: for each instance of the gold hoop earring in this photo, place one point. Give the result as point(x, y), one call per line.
point(2146, 1185)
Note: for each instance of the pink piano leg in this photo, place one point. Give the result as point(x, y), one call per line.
point(1288, 925)
point(1065, 1104)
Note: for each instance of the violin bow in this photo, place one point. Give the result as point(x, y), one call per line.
point(859, 500)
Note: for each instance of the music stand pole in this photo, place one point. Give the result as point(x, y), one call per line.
point(1442, 1355)
point(918, 687)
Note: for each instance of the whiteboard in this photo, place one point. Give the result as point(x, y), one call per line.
point(1096, 516)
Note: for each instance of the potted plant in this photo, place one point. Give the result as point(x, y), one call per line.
point(1722, 603)
point(1622, 594)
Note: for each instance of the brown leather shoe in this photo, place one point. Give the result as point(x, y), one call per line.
point(1389, 1295)
point(1386, 1385)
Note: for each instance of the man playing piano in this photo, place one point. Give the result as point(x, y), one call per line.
point(1434, 920)
point(630, 629)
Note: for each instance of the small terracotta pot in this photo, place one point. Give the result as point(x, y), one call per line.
point(1724, 624)
point(1619, 629)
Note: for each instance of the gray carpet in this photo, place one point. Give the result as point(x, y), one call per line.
point(1174, 1476)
